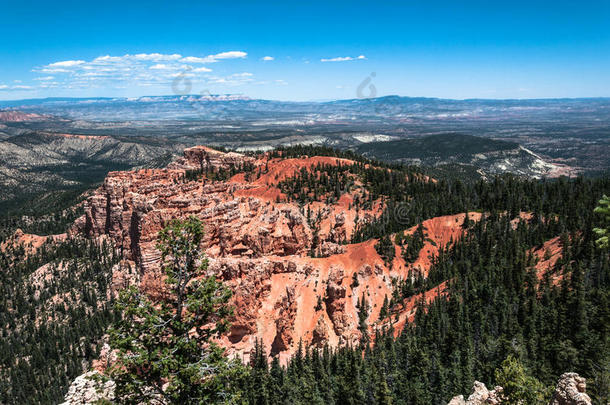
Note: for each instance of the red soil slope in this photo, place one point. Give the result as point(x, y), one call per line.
point(260, 247)
point(31, 243)
point(548, 255)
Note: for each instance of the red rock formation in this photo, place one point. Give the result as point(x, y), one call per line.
point(30, 242)
point(260, 247)
point(19, 116)
point(548, 255)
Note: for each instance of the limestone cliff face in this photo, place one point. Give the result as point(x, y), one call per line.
point(261, 247)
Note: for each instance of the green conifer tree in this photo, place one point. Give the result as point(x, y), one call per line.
point(165, 348)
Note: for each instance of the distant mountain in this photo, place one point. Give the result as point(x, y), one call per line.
point(35, 163)
point(62, 142)
point(573, 132)
point(18, 116)
point(238, 107)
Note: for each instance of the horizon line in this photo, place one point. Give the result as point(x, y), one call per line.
point(317, 101)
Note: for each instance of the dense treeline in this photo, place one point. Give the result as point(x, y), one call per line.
point(43, 215)
point(409, 203)
point(217, 174)
point(298, 151)
point(322, 183)
point(495, 303)
point(410, 197)
point(39, 224)
point(495, 306)
point(51, 320)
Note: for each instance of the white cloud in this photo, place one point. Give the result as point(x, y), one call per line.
point(4, 87)
point(108, 58)
point(144, 69)
point(54, 70)
point(66, 63)
point(215, 58)
point(230, 55)
point(155, 57)
point(267, 58)
point(160, 66)
point(196, 59)
point(343, 58)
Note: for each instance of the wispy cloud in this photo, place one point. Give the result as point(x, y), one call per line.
point(155, 57)
point(144, 69)
point(5, 87)
point(160, 66)
point(196, 59)
point(235, 79)
point(267, 58)
point(343, 58)
point(215, 58)
point(230, 55)
point(66, 63)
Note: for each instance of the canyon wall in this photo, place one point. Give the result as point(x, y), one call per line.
point(259, 243)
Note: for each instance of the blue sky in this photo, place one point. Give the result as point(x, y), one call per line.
point(305, 50)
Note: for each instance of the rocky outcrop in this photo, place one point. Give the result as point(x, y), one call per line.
point(89, 388)
point(570, 390)
point(259, 243)
point(287, 308)
point(20, 116)
point(320, 333)
point(37, 161)
point(480, 396)
point(335, 301)
point(204, 158)
point(132, 207)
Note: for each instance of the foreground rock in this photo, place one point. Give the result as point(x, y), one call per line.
point(570, 390)
point(480, 396)
point(89, 389)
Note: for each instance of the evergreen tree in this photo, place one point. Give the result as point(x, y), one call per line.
point(518, 387)
point(603, 232)
point(363, 314)
point(165, 351)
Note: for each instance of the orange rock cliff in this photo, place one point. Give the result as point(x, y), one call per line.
point(259, 244)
